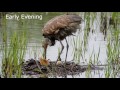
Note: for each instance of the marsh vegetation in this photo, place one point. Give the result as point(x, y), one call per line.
point(95, 44)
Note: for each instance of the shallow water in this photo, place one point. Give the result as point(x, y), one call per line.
point(95, 40)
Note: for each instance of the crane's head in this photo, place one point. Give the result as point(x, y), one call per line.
point(47, 42)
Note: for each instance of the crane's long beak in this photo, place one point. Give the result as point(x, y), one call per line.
point(45, 50)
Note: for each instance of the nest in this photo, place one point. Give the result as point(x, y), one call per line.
point(33, 67)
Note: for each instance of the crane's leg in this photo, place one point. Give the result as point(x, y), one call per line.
point(67, 50)
point(61, 51)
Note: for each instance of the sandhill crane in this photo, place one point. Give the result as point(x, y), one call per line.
point(58, 28)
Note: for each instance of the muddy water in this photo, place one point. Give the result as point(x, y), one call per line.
point(34, 35)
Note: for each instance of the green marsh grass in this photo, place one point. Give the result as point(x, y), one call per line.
point(13, 44)
point(113, 44)
point(109, 23)
point(79, 43)
point(13, 54)
point(113, 53)
point(113, 47)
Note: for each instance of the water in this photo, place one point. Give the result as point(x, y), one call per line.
point(34, 35)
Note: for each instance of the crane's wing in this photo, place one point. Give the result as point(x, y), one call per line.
point(61, 22)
